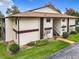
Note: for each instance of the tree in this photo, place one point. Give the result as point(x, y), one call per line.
point(12, 10)
point(72, 12)
point(1, 25)
point(69, 11)
point(75, 14)
point(1, 15)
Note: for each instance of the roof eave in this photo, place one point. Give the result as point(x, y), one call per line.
point(39, 17)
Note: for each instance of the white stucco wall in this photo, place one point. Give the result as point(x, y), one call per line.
point(63, 23)
point(72, 22)
point(47, 10)
point(28, 37)
point(9, 33)
point(28, 24)
point(34, 23)
point(15, 26)
point(48, 25)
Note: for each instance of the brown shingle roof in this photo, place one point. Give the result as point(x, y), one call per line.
point(42, 14)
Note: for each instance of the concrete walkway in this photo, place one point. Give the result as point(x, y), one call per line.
point(66, 40)
point(71, 52)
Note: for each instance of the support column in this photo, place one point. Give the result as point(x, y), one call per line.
point(68, 25)
point(18, 31)
point(41, 27)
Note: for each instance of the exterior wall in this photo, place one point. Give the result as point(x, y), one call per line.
point(28, 24)
point(34, 23)
point(28, 37)
point(63, 25)
point(47, 10)
point(15, 23)
point(72, 24)
point(9, 30)
point(77, 23)
point(49, 26)
point(15, 26)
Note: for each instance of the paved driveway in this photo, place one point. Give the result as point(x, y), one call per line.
point(71, 52)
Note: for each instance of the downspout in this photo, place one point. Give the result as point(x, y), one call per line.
point(18, 32)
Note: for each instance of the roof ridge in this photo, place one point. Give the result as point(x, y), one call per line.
point(46, 5)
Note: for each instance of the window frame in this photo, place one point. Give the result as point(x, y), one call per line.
point(63, 20)
point(48, 19)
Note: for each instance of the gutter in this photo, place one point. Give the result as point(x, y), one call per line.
point(18, 32)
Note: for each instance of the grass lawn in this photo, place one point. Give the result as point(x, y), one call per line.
point(74, 37)
point(33, 53)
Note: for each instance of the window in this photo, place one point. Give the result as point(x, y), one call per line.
point(48, 31)
point(48, 20)
point(63, 26)
point(63, 29)
point(63, 20)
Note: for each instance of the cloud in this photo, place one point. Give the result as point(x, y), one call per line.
point(6, 3)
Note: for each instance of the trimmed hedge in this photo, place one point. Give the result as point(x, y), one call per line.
point(38, 43)
point(77, 29)
point(73, 32)
point(65, 35)
point(41, 42)
point(31, 43)
point(14, 48)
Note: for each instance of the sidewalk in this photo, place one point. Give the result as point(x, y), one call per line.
point(66, 40)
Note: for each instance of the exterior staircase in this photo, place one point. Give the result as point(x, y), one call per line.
point(55, 33)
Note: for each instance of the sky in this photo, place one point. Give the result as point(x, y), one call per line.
point(25, 5)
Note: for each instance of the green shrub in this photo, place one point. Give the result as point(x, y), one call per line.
point(65, 34)
point(38, 43)
point(41, 42)
point(77, 29)
point(31, 43)
point(14, 48)
point(73, 32)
